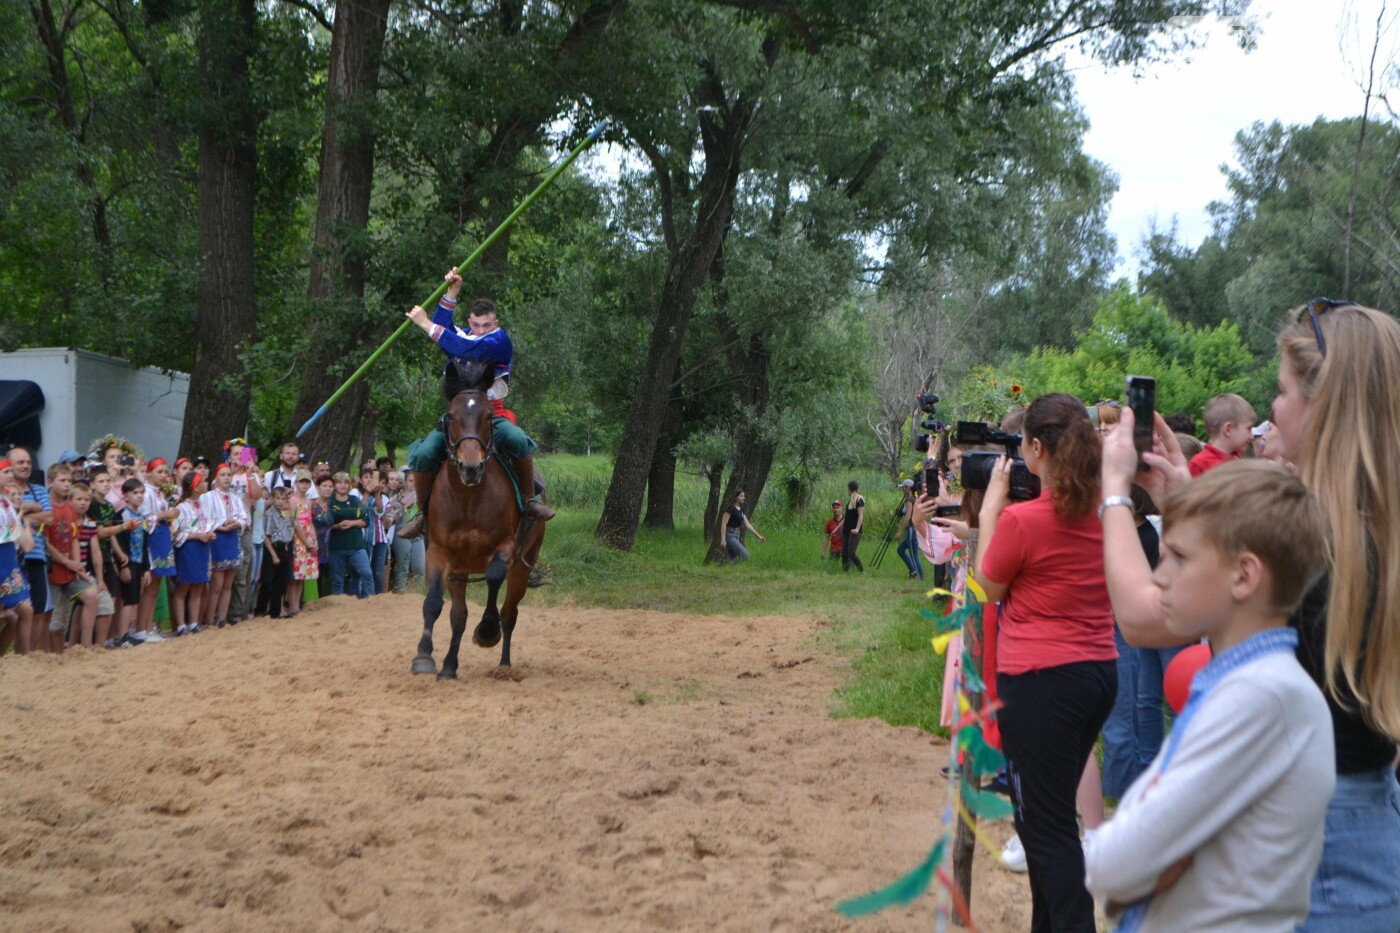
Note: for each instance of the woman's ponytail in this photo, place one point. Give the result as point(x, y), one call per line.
point(1062, 426)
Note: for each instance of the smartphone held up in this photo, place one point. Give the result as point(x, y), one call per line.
point(1141, 394)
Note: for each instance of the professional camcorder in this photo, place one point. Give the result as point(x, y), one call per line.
point(977, 465)
point(928, 404)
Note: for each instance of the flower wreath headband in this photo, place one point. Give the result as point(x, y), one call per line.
point(103, 444)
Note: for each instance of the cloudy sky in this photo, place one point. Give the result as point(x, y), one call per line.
point(1167, 132)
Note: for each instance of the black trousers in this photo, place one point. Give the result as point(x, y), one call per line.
point(1049, 725)
point(850, 540)
point(275, 577)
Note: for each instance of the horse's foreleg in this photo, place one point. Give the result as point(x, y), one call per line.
point(516, 585)
point(488, 630)
point(432, 608)
point(458, 587)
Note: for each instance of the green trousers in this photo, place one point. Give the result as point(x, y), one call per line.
point(427, 454)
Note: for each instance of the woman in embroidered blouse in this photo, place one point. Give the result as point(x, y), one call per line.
point(192, 533)
point(227, 515)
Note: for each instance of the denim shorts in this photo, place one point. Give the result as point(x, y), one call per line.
point(1357, 886)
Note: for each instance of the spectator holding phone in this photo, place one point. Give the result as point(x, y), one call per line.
point(1043, 560)
point(1337, 418)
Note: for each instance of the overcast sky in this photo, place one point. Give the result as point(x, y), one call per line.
point(1166, 133)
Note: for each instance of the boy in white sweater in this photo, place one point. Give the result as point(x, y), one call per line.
point(1224, 829)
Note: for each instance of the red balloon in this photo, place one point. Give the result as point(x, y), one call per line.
point(1176, 681)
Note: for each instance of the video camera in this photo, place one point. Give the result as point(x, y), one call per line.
point(977, 464)
point(928, 404)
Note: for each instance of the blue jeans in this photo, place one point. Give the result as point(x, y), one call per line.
point(1357, 886)
point(258, 551)
point(1151, 728)
point(734, 546)
point(908, 551)
point(378, 557)
point(358, 563)
point(1121, 758)
point(408, 557)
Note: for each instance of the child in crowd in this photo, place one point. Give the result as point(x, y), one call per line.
point(321, 521)
point(69, 582)
point(1224, 829)
point(1230, 424)
point(104, 523)
point(83, 585)
point(305, 565)
point(135, 577)
point(227, 517)
point(192, 533)
point(158, 508)
point(277, 563)
point(16, 609)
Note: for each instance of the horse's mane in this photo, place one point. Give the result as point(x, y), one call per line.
point(460, 376)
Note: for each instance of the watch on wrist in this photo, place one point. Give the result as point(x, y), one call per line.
point(1110, 501)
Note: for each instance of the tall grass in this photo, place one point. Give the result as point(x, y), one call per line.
point(872, 618)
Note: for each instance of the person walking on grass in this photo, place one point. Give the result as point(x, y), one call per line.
point(730, 523)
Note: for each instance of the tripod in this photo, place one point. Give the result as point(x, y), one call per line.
point(886, 537)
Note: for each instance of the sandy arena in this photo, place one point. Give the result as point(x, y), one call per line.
point(633, 771)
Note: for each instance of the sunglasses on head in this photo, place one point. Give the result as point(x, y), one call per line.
point(1315, 309)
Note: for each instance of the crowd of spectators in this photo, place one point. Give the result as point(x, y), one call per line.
point(88, 543)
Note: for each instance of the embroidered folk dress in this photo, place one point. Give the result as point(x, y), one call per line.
point(220, 507)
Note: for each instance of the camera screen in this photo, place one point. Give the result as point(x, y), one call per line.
point(1142, 399)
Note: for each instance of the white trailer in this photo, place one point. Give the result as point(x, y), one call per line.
point(88, 395)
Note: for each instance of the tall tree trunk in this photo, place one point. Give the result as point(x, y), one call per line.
point(722, 131)
point(715, 473)
point(338, 323)
point(661, 481)
point(226, 313)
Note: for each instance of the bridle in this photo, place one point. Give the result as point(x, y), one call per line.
point(488, 447)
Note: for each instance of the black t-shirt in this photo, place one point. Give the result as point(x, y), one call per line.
point(1151, 542)
point(1359, 748)
point(105, 515)
point(736, 519)
point(851, 508)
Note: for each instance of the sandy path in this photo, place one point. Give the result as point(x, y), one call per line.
point(636, 771)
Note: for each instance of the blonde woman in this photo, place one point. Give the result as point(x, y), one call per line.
point(1337, 418)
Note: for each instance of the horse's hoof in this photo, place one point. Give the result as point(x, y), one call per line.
point(445, 674)
point(481, 641)
point(424, 666)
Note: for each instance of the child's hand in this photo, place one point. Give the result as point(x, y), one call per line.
point(124, 574)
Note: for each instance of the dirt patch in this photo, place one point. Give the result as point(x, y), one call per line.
point(633, 771)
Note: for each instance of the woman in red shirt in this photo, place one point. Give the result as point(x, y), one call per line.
point(1043, 560)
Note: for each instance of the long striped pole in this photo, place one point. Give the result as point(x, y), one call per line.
point(466, 263)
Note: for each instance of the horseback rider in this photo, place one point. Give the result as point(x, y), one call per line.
point(487, 342)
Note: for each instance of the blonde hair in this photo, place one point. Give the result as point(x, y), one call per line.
point(1348, 456)
point(1245, 505)
point(1190, 444)
point(1227, 408)
point(1108, 414)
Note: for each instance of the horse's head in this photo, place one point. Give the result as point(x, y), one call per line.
point(467, 425)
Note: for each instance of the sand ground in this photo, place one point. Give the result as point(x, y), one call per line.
point(633, 771)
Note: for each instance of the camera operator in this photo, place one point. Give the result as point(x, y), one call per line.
point(908, 548)
point(1043, 560)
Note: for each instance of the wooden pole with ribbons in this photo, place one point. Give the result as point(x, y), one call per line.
point(432, 299)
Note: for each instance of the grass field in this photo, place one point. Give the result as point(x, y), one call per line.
point(871, 617)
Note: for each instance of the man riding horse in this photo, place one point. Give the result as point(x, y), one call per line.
point(488, 343)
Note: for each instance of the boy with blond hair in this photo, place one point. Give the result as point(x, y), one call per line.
point(1230, 424)
point(1223, 831)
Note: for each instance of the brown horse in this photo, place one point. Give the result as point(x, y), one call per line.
point(475, 526)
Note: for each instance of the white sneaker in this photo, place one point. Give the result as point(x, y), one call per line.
point(182, 630)
point(1013, 855)
point(150, 637)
